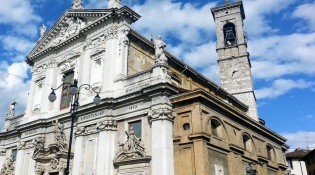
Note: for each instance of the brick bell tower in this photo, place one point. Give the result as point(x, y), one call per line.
point(233, 58)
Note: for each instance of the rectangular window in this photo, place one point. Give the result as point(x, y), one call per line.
point(136, 127)
point(65, 94)
point(14, 152)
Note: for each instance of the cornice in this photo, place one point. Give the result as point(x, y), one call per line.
point(105, 14)
point(199, 93)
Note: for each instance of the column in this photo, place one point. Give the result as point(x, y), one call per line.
point(162, 141)
point(106, 148)
point(77, 156)
point(19, 162)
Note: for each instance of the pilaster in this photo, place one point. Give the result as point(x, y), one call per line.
point(162, 140)
point(19, 162)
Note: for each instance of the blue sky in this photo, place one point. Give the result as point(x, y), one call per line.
point(281, 40)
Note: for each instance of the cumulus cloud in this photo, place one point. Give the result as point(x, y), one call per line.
point(13, 87)
point(257, 11)
point(282, 86)
point(300, 139)
point(276, 56)
point(306, 12)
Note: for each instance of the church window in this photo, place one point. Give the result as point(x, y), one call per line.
point(136, 127)
point(270, 152)
point(186, 126)
point(247, 142)
point(65, 95)
point(14, 152)
point(216, 128)
point(229, 34)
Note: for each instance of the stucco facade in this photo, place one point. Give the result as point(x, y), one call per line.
point(157, 116)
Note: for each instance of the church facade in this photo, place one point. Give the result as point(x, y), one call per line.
point(157, 115)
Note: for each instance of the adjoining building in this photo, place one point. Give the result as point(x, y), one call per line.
point(309, 160)
point(157, 116)
point(295, 164)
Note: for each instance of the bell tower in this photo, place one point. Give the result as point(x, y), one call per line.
point(233, 58)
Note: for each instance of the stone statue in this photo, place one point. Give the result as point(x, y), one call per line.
point(38, 144)
point(132, 141)
point(159, 46)
point(42, 30)
point(11, 112)
point(60, 137)
point(114, 3)
point(77, 4)
point(250, 171)
point(8, 167)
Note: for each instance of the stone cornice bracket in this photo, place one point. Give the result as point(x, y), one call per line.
point(161, 114)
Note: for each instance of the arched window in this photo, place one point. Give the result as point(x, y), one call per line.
point(229, 34)
point(247, 142)
point(217, 128)
point(270, 152)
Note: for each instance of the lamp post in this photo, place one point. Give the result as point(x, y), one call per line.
point(75, 91)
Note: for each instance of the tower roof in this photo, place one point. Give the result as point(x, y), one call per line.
point(228, 6)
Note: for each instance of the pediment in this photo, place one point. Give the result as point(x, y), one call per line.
point(73, 24)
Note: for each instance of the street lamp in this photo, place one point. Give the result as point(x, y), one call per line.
point(75, 91)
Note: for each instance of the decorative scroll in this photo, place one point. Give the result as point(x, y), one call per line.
point(72, 27)
point(41, 68)
point(161, 114)
point(131, 148)
point(90, 43)
point(109, 124)
point(69, 61)
point(8, 167)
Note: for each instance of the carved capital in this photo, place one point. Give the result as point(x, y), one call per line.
point(161, 114)
point(112, 33)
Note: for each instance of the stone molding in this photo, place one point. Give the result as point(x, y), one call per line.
point(91, 43)
point(69, 61)
point(41, 68)
point(161, 114)
point(108, 124)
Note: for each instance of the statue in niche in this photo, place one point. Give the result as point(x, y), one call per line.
point(42, 30)
point(159, 46)
point(59, 136)
point(77, 4)
point(11, 112)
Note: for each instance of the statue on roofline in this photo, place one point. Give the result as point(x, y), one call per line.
point(42, 30)
point(77, 4)
point(11, 112)
point(159, 46)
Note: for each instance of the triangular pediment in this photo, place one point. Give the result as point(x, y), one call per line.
point(73, 24)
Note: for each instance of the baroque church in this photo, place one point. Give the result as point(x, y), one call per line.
point(155, 115)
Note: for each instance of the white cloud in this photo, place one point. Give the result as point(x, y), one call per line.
point(282, 86)
point(256, 12)
point(300, 139)
point(306, 12)
point(17, 45)
point(13, 87)
point(17, 11)
point(175, 19)
point(276, 56)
